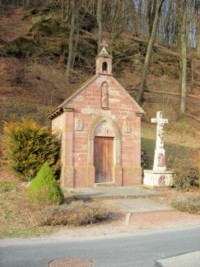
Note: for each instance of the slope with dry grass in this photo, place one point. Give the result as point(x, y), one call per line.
point(33, 59)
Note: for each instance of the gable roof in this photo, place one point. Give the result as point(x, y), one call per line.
point(62, 106)
point(139, 109)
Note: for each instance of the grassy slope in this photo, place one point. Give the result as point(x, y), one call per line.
point(33, 85)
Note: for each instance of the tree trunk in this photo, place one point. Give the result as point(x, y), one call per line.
point(183, 59)
point(71, 42)
point(149, 51)
point(133, 17)
point(197, 17)
point(99, 20)
point(198, 44)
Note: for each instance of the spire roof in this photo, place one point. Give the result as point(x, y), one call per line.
point(104, 52)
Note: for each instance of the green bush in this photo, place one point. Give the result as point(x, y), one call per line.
point(44, 189)
point(28, 146)
point(187, 203)
point(76, 213)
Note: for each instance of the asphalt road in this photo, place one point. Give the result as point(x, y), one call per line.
point(145, 249)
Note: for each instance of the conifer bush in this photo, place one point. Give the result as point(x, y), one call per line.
point(44, 189)
point(28, 146)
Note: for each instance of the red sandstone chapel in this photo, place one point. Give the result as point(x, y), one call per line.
point(100, 129)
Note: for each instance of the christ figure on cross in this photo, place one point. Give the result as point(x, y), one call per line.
point(159, 158)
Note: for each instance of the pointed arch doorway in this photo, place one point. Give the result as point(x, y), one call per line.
point(105, 146)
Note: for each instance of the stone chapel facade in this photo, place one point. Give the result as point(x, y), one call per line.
point(100, 129)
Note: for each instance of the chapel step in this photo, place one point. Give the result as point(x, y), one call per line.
point(108, 184)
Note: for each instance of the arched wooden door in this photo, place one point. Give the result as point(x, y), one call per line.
point(103, 159)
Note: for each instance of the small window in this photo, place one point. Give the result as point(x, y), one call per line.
point(104, 67)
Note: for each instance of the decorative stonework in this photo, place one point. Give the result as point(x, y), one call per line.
point(93, 115)
point(79, 124)
point(127, 126)
point(104, 126)
point(162, 180)
point(104, 129)
point(104, 95)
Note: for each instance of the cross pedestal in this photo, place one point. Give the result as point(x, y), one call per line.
point(159, 176)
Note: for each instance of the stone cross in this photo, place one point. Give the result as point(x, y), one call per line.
point(159, 158)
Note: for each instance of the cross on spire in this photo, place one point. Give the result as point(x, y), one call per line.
point(104, 44)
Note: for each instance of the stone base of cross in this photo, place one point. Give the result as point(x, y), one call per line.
point(159, 157)
point(158, 179)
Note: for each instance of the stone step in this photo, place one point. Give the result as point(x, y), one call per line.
point(107, 184)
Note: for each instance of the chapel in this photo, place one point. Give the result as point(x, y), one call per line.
point(100, 130)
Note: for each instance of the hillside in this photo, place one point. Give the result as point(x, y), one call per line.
point(33, 55)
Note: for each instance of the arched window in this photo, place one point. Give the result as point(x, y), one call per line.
point(104, 67)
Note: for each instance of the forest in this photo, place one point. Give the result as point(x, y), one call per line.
point(140, 34)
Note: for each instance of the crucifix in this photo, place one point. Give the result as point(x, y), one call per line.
point(159, 157)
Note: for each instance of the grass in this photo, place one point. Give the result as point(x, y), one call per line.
point(7, 186)
point(15, 110)
point(179, 144)
point(21, 219)
point(15, 213)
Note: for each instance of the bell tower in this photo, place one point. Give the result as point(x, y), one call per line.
point(104, 61)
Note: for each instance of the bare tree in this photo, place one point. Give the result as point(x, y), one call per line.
point(183, 57)
point(150, 14)
point(149, 51)
point(116, 18)
point(71, 40)
point(99, 20)
point(197, 24)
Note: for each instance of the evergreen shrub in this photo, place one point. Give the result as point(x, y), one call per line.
point(28, 146)
point(44, 189)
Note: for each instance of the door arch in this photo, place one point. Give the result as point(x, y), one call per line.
point(104, 136)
